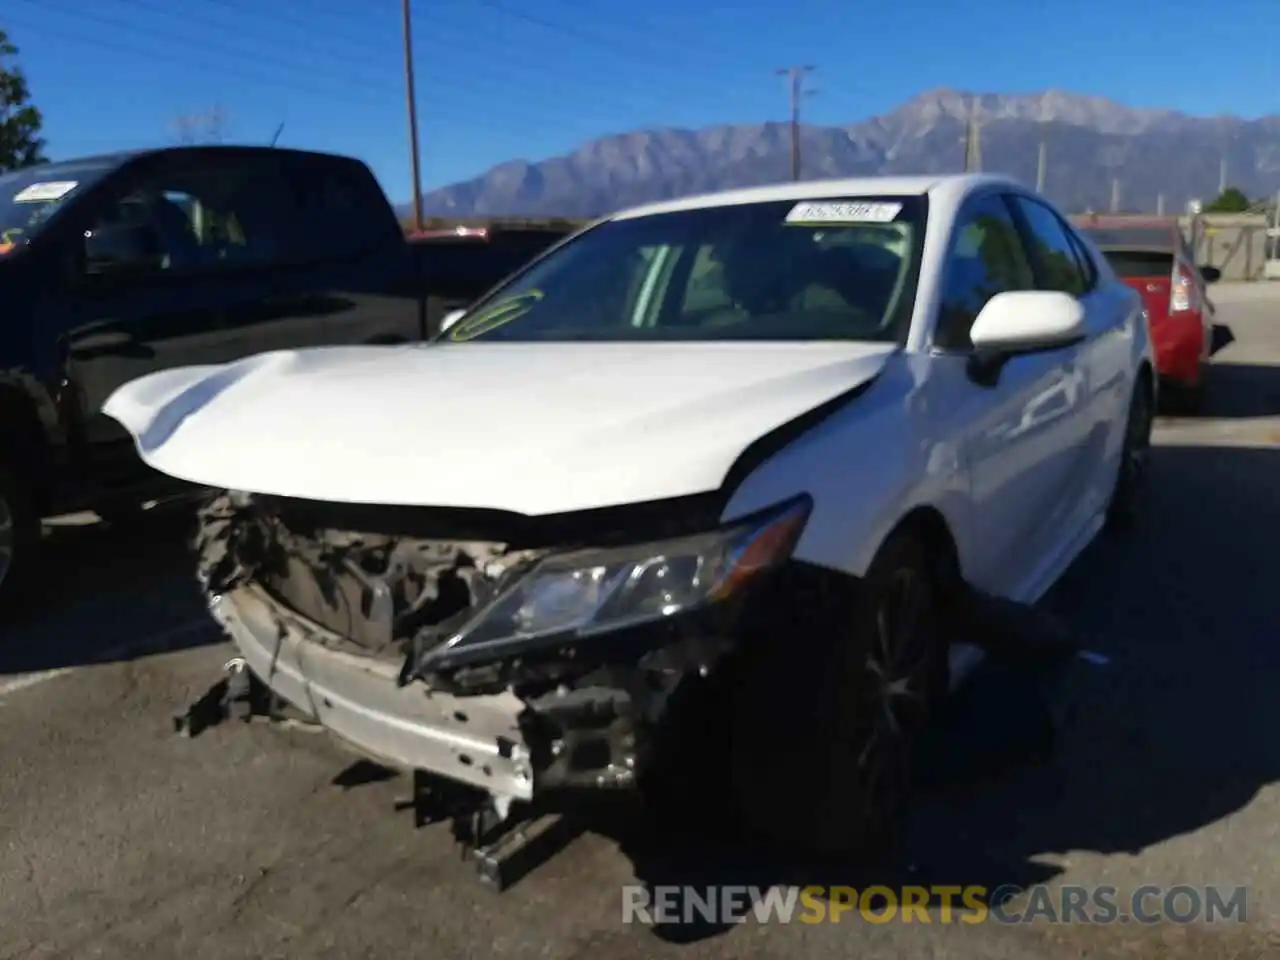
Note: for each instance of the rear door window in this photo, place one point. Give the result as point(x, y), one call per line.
point(1140, 264)
point(343, 211)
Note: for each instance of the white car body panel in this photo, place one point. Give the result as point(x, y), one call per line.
point(529, 428)
point(1020, 471)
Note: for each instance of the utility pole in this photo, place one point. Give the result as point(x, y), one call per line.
point(1222, 175)
point(795, 77)
point(411, 98)
point(1041, 164)
point(1160, 205)
point(1115, 194)
point(973, 141)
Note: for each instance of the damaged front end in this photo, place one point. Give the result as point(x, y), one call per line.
point(517, 655)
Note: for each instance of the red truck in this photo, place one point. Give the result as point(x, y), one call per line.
point(1151, 255)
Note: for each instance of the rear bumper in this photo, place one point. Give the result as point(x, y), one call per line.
point(1180, 347)
point(475, 740)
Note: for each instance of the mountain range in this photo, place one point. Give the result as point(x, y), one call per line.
point(1089, 141)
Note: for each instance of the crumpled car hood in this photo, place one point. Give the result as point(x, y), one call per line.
point(530, 428)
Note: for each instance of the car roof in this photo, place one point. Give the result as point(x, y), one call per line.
point(121, 157)
point(949, 189)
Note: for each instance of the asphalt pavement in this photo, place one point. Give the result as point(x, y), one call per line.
point(117, 837)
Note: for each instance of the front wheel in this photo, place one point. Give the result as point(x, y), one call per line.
point(825, 770)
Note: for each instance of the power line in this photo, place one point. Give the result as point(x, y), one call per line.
point(795, 79)
point(658, 54)
point(297, 75)
point(514, 86)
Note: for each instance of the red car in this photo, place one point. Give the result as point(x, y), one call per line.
point(1151, 255)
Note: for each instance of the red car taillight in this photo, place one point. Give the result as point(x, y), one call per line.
point(1182, 291)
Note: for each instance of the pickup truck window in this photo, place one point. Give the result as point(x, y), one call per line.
point(192, 218)
point(30, 197)
point(342, 210)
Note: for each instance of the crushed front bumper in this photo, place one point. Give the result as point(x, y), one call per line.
point(475, 740)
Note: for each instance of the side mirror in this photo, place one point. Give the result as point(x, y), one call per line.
point(122, 248)
point(1210, 274)
point(1021, 322)
point(450, 318)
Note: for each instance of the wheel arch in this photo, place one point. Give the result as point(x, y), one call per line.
point(928, 525)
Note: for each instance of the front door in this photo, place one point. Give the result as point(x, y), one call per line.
point(1016, 435)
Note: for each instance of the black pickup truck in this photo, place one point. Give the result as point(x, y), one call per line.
point(116, 266)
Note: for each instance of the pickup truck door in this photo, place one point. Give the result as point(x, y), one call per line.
point(153, 272)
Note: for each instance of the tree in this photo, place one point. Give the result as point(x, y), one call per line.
point(1231, 200)
point(20, 142)
point(208, 127)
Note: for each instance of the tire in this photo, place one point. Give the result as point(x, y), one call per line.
point(1131, 477)
point(19, 540)
point(826, 774)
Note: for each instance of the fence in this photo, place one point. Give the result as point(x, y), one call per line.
point(1234, 243)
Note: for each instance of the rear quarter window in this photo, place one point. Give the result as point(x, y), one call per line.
point(1133, 264)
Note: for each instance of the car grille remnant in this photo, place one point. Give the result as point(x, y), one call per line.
point(591, 705)
point(374, 591)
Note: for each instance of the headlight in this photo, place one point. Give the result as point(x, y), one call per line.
point(592, 591)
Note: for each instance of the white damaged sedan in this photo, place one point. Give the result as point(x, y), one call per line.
point(706, 480)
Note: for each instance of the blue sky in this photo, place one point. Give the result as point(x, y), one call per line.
point(501, 79)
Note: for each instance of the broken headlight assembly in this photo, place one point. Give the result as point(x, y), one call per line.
point(592, 591)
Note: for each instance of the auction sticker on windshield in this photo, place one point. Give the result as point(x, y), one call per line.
point(843, 211)
point(497, 315)
point(44, 192)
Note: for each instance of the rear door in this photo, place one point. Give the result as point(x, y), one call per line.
point(343, 273)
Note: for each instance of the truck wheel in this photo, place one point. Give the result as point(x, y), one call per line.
point(19, 539)
point(826, 770)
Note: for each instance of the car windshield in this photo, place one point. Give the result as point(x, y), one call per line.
point(31, 196)
point(839, 269)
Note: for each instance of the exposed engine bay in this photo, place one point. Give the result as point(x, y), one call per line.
point(592, 704)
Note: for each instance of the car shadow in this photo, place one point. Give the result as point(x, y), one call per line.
point(1174, 733)
point(1238, 391)
point(108, 591)
point(1169, 731)
point(1223, 336)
